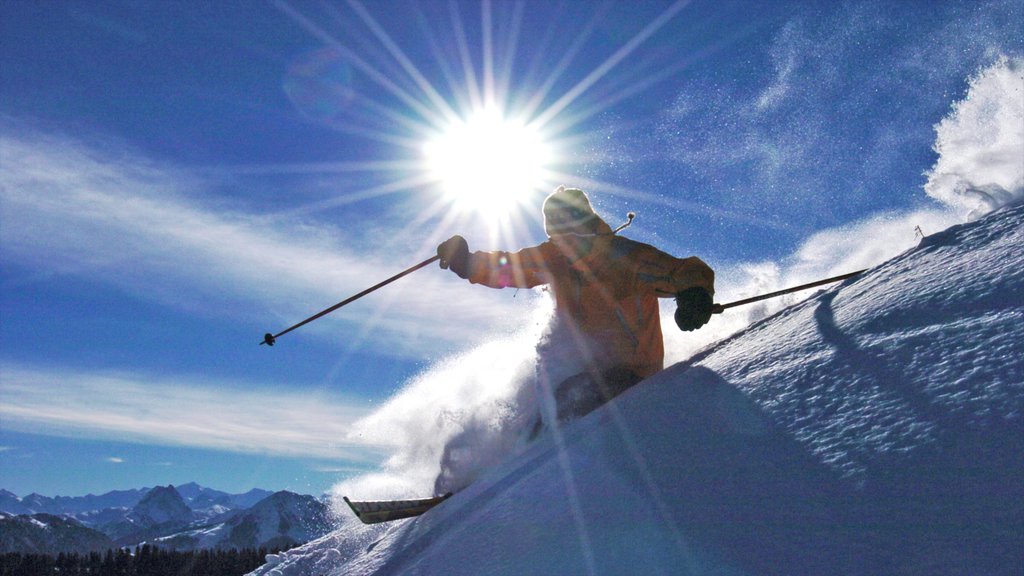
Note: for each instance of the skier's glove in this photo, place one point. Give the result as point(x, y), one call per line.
point(693, 308)
point(454, 253)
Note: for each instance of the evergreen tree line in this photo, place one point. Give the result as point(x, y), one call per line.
point(146, 561)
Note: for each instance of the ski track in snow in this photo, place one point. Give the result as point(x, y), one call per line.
point(875, 428)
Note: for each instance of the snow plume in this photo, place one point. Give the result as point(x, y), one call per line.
point(455, 420)
point(981, 143)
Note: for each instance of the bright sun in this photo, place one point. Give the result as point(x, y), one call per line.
point(488, 164)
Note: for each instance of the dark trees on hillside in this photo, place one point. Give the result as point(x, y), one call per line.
point(145, 561)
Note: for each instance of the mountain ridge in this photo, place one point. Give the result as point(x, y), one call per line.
point(163, 516)
point(49, 534)
point(74, 505)
point(282, 520)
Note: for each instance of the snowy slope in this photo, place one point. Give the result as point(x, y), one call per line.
point(875, 428)
point(48, 534)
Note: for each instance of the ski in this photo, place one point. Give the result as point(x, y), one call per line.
point(375, 511)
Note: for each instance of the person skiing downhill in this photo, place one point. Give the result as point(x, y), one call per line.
point(606, 289)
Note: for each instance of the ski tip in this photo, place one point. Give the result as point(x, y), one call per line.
point(355, 510)
point(376, 511)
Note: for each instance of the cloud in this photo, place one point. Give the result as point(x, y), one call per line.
point(338, 469)
point(148, 409)
point(102, 212)
point(114, 460)
point(981, 143)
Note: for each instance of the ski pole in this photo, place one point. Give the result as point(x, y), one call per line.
point(269, 338)
point(719, 308)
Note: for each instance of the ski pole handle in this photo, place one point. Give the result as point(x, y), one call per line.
point(269, 339)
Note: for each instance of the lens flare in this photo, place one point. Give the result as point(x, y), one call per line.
point(319, 85)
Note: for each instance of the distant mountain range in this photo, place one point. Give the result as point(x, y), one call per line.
point(196, 496)
point(49, 534)
point(186, 517)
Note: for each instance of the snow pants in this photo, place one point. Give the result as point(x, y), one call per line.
point(583, 393)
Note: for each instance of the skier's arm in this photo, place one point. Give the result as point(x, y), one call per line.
point(667, 275)
point(689, 280)
point(523, 269)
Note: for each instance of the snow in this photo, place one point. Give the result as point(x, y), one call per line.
point(874, 427)
point(38, 523)
point(981, 143)
point(206, 537)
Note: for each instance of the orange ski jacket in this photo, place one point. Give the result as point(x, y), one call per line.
point(607, 286)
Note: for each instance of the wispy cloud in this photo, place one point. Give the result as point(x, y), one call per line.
point(114, 460)
point(105, 213)
point(148, 409)
point(340, 469)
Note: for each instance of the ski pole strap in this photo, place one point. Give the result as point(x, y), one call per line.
point(719, 308)
point(269, 338)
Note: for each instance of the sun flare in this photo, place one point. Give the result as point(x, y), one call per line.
point(488, 164)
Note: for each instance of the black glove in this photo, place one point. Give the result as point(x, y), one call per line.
point(454, 253)
point(694, 307)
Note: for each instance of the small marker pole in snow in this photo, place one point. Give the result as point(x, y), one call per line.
point(269, 339)
point(719, 308)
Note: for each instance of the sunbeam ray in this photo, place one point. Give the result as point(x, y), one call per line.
point(504, 77)
point(413, 125)
point(580, 38)
point(468, 69)
point(568, 478)
point(410, 183)
point(583, 85)
point(349, 55)
point(664, 510)
point(459, 91)
point(428, 89)
point(487, 49)
point(631, 87)
point(314, 167)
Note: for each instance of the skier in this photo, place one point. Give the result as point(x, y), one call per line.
point(606, 289)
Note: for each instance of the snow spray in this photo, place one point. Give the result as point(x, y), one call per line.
point(981, 143)
point(461, 416)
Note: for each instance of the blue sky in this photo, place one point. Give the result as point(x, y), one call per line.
point(178, 178)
